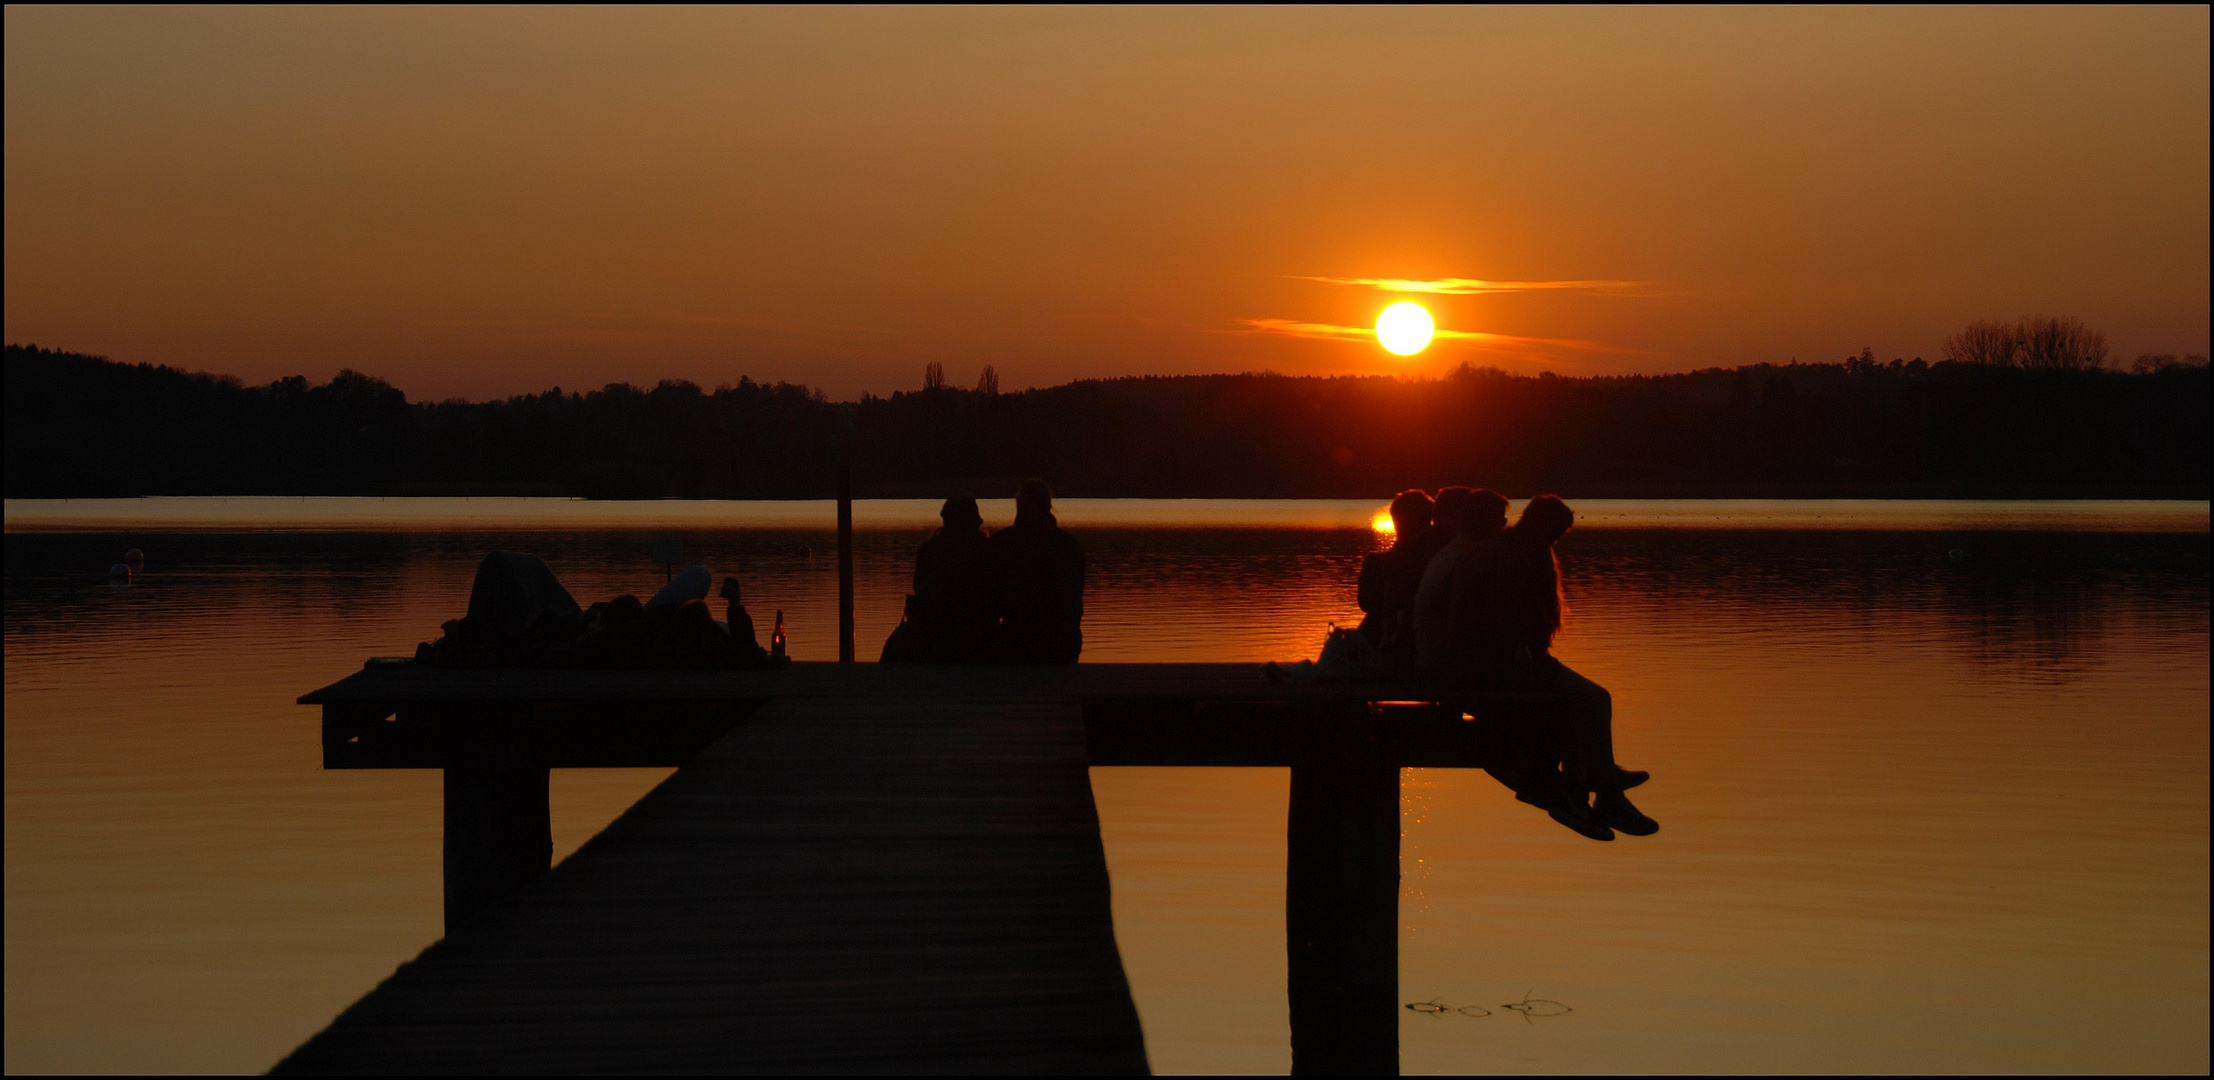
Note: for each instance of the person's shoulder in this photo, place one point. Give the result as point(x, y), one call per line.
point(1437, 570)
point(1065, 546)
point(1491, 552)
point(1019, 537)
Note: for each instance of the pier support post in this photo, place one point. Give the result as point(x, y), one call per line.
point(499, 835)
point(1341, 917)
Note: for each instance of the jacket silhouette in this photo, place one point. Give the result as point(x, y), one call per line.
point(1038, 578)
point(952, 615)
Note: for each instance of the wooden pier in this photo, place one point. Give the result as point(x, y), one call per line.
point(856, 867)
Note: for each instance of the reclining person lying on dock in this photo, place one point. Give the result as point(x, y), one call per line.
point(949, 617)
point(1506, 609)
point(521, 616)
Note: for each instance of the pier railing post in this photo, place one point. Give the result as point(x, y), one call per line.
point(845, 553)
point(1341, 913)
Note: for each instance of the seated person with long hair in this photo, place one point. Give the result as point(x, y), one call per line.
point(1506, 611)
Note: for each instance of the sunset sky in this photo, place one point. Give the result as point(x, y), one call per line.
point(484, 202)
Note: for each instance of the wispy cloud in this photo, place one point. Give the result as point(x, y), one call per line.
point(1333, 332)
point(1295, 328)
point(1513, 348)
point(1458, 286)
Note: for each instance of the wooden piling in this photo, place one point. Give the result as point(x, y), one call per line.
point(1341, 917)
point(499, 836)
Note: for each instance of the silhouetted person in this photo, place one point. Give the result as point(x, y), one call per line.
point(516, 596)
point(951, 616)
point(1390, 578)
point(519, 614)
point(1507, 607)
point(1038, 583)
point(738, 621)
point(1464, 518)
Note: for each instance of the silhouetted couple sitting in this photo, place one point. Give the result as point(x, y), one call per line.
point(1476, 604)
point(1013, 596)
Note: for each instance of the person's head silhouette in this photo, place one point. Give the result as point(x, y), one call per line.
point(1487, 513)
point(1410, 512)
point(960, 514)
point(1033, 499)
point(1545, 520)
point(1452, 508)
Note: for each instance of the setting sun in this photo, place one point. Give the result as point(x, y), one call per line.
point(1404, 328)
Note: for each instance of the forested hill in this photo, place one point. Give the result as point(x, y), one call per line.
point(84, 426)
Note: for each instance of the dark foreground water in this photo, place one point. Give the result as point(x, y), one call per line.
point(1919, 812)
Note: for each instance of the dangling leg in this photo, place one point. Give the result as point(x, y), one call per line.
point(1589, 710)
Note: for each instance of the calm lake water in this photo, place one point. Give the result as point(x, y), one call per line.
point(1918, 812)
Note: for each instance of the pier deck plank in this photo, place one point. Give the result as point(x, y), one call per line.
point(872, 883)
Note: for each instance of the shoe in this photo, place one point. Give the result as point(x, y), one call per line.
point(1630, 778)
point(1580, 818)
point(1615, 809)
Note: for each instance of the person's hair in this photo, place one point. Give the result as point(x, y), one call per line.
point(960, 512)
point(1541, 608)
point(1546, 519)
point(1033, 495)
point(1410, 512)
point(1451, 508)
point(1487, 509)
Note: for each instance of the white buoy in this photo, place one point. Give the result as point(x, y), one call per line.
point(1956, 555)
point(119, 572)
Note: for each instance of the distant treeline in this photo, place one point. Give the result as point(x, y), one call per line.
point(83, 426)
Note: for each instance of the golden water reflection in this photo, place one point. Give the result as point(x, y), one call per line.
point(1920, 812)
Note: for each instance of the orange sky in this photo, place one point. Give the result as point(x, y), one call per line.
point(482, 202)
